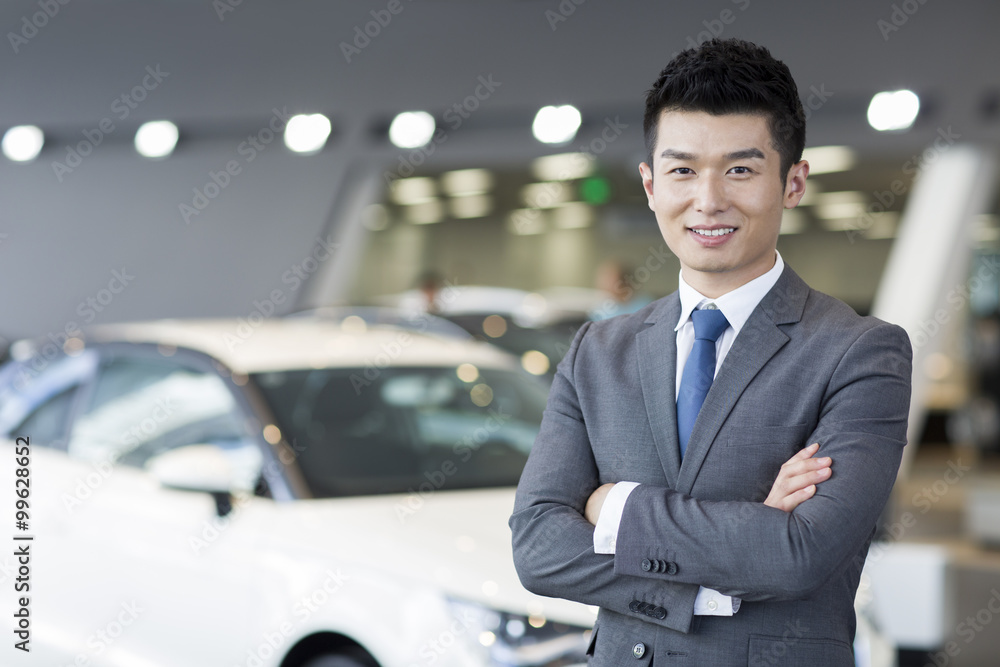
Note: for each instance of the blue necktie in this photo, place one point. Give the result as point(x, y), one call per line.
point(699, 370)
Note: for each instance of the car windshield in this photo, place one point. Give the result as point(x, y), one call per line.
point(359, 431)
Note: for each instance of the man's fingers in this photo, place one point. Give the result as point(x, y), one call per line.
point(794, 500)
point(805, 452)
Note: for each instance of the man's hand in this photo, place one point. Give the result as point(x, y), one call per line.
point(796, 481)
point(596, 502)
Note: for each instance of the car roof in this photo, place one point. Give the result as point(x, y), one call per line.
point(299, 343)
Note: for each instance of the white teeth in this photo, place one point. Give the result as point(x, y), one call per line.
point(714, 232)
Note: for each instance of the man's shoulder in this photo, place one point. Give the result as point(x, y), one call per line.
point(829, 320)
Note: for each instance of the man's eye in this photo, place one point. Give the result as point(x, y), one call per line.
point(741, 170)
point(681, 170)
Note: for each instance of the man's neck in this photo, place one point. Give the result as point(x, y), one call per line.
point(714, 285)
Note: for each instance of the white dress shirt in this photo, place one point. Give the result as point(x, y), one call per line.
point(736, 306)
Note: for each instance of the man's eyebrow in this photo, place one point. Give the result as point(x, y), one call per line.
point(745, 154)
point(670, 153)
point(742, 154)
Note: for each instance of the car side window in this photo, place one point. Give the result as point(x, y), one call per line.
point(141, 407)
point(37, 396)
point(46, 424)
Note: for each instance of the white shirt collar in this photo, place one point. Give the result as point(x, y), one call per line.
point(735, 305)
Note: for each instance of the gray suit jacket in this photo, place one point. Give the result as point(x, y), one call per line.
point(805, 368)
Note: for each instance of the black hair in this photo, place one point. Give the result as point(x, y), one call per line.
point(731, 76)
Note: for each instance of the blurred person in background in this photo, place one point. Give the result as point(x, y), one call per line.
point(618, 284)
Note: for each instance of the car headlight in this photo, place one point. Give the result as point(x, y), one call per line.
point(517, 640)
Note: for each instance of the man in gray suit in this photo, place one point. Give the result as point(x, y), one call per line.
point(689, 509)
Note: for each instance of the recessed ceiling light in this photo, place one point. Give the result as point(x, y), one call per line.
point(156, 139)
point(307, 133)
point(893, 110)
point(556, 124)
point(23, 143)
point(412, 129)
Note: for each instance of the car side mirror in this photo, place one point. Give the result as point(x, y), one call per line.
point(201, 468)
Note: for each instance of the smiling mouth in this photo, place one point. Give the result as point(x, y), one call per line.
point(714, 232)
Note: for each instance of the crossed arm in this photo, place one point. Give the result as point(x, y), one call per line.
point(796, 483)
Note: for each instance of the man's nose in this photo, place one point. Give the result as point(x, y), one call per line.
point(710, 197)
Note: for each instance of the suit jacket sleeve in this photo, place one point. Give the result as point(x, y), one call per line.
point(554, 544)
point(757, 552)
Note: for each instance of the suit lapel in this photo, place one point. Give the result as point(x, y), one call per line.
point(758, 341)
point(657, 349)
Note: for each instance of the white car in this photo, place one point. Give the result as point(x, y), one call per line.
point(293, 493)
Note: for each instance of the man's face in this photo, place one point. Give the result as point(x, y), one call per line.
point(718, 195)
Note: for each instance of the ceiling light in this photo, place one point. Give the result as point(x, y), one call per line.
point(893, 110)
point(525, 221)
point(23, 143)
point(827, 159)
point(563, 167)
point(471, 206)
point(425, 213)
point(556, 125)
point(412, 129)
point(545, 195)
point(413, 190)
point(156, 139)
point(466, 181)
point(573, 215)
point(307, 133)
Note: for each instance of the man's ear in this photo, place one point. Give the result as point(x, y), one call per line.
point(647, 183)
point(795, 184)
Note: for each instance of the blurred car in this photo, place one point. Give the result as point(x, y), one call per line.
point(297, 492)
point(536, 326)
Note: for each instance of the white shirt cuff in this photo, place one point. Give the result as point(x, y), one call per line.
point(713, 603)
point(606, 530)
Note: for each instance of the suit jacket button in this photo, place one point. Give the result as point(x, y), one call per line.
point(639, 650)
point(671, 568)
point(646, 565)
point(660, 613)
point(634, 605)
